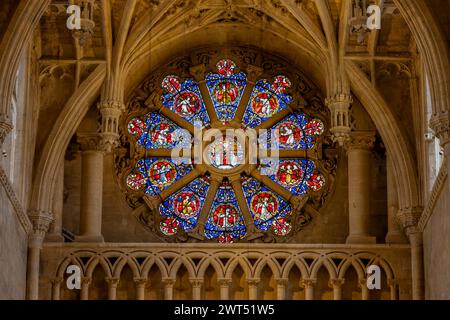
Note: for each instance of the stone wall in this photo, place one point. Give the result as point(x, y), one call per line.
point(13, 252)
point(436, 238)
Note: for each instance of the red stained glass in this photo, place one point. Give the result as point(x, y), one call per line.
point(226, 67)
point(136, 127)
point(281, 83)
point(315, 127)
point(264, 205)
point(172, 84)
point(281, 227)
point(135, 181)
point(169, 226)
point(316, 182)
point(289, 173)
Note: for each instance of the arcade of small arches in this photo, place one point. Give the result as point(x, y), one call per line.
point(199, 273)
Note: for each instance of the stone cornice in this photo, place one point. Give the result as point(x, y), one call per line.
point(435, 193)
point(18, 209)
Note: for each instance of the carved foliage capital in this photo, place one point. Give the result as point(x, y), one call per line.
point(90, 142)
point(441, 127)
point(360, 141)
point(41, 221)
point(409, 218)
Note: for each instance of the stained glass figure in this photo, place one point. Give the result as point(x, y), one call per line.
point(265, 206)
point(225, 221)
point(226, 88)
point(158, 174)
point(281, 227)
point(156, 132)
point(184, 99)
point(186, 204)
point(296, 132)
point(225, 154)
point(295, 175)
point(266, 100)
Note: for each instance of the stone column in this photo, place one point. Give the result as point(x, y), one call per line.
point(140, 288)
point(196, 288)
point(336, 284)
point(224, 288)
point(55, 232)
point(41, 222)
point(85, 283)
point(393, 288)
point(253, 289)
point(409, 217)
point(56, 288)
point(309, 285)
point(395, 233)
point(359, 181)
point(91, 189)
point(168, 288)
point(112, 288)
point(281, 289)
point(365, 293)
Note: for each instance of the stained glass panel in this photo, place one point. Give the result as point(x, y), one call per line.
point(266, 100)
point(185, 205)
point(265, 206)
point(184, 99)
point(155, 131)
point(296, 132)
point(226, 88)
point(225, 221)
point(295, 175)
point(154, 175)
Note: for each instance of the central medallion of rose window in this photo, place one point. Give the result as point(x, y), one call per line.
point(225, 154)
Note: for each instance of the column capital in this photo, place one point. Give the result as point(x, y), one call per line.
point(308, 283)
point(253, 281)
point(224, 282)
point(196, 282)
point(5, 128)
point(41, 221)
point(336, 283)
point(140, 282)
point(360, 140)
point(198, 72)
point(441, 127)
point(89, 142)
point(409, 218)
point(56, 281)
point(362, 283)
point(113, 282)
point(86, 281)
point(340, 100)
point(282, 281)
point(168, 281)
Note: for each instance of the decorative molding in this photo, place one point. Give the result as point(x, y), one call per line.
point(5, 129)
point(18, 209)
point(434, 197)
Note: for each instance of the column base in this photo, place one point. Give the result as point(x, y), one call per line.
point(54, 237)
point(396, 237)
point(89, 238)
point(356, 239)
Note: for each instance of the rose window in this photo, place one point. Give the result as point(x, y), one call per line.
point(212, 187)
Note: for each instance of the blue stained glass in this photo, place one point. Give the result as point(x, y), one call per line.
point(296, 132)
point(293, 174)
point(225, 221)
point(158, 132)
point(159, 174)
point(226, 93)
point(186, 100)
point(265, 206)
point(185, 205)
point(264, 102)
